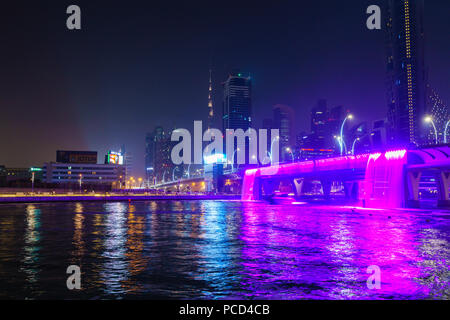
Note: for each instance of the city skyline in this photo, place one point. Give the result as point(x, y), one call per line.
point(225, 151)
point(104, 112)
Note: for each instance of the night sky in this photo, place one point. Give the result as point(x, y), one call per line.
point(138, 64)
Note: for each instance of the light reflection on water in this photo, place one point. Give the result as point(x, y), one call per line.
point(30, 255)
point(221, 250)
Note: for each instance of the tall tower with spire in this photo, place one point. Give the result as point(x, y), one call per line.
point(210, 102)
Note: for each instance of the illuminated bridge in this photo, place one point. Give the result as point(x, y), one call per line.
point(196, 183)
point(176, 183)
point(378, 180)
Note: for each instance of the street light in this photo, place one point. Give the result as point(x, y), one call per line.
point(339, 140)
point(292, 154)
point(33, 171)
point(353, 146)
point(189, 171)
point(80, 181)
point(173, 173)
point(349, 116)
point(232, 159)
point(271, 145)
point(429, 119)
point(32, 182)
point(445, 131)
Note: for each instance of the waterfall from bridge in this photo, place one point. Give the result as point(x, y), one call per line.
point(384, 180)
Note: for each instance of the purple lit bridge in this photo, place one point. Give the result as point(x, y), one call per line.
point(388, 179)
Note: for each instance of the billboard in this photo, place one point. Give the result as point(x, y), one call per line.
point(89, 157)
point(114, 158)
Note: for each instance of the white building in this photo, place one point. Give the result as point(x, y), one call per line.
point(71, 173)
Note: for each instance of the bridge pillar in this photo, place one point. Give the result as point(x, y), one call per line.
point(443, 179)
point(297, 186)
point(413, 179)
point(326, 187)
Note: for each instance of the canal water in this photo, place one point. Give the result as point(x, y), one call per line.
point(221, 250)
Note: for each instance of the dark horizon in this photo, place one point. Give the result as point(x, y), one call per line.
point(137, 66)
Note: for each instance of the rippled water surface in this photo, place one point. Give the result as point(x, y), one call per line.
point(221, 250)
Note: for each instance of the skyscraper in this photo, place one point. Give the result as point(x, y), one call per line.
point(283, 119)
point(127, 162)
point(319, 117)
point(325, 127)
point(159, 166)
point(151, 141)
point(335, 118)
point(237, 103)
point(406, 76)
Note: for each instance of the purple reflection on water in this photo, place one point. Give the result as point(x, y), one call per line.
point(222, 250)
point(324, 252)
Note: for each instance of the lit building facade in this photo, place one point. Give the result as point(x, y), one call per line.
point(151, 141)
point(325, 125)
point(237, 102)
point(75, 167)
point(406, 76)
point(89, 174)
point(127, 162)
point(379, 134)
point(70, 156)
point(319, 132)
point(335, 118)
point(158, 163)
point(237, 105)
point(283, 119)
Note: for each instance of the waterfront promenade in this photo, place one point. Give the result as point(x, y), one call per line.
point(28, 198)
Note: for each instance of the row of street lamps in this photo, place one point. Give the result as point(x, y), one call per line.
point(343, 146)
point(429, 119)
point(339, 138)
